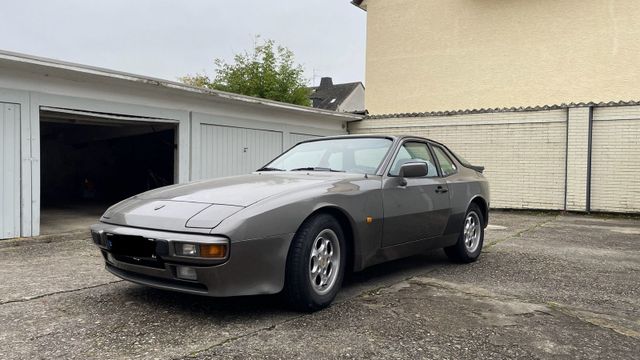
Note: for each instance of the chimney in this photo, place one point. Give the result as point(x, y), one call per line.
point(325, 82)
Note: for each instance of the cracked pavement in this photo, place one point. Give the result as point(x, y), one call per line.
point(546, 286)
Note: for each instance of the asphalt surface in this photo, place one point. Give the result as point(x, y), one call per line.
point(546, 286)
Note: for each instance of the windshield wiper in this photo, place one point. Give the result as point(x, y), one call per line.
point(316, 168)
point(269, 169)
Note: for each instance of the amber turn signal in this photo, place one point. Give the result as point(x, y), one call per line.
point(213, 250)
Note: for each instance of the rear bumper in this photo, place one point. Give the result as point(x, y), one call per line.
point(252, 267)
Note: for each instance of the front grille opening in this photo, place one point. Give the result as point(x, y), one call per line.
point(137, 250)
point(130, 245)
point(150, 262)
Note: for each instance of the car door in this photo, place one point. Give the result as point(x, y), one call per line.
point(414, 208)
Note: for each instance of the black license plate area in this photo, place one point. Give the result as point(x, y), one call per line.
point(136, 246)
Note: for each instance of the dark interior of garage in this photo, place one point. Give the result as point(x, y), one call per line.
point(89, 164)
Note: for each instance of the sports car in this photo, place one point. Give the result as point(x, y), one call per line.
point(325, 207)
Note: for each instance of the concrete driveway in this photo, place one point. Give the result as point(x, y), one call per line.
point(546, 286)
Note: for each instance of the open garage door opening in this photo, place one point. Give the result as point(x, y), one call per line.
point(89, 163)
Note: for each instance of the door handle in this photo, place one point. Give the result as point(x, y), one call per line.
point(441, 190)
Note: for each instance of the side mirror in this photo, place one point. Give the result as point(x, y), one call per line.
point(414, 170)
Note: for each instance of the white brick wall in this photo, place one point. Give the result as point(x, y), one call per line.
point(615, 165)
point(523, 152)
point(577, 159)
point(527, 154)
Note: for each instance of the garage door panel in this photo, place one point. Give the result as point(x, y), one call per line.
point(10, 174)
point(295, 138)
point(227, 151)
point(615, 185)
point(259, 148)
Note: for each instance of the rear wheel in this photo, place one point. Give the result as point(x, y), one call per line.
point(315, 265)
point(471, 238)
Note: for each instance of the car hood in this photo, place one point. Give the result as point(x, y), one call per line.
point(205, 204)
point(241, 190)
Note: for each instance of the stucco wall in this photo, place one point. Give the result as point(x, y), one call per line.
point(432, 55)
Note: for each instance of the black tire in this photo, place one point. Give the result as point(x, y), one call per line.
point(460, 252)
point(299, 291)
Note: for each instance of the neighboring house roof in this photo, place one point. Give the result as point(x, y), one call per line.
point(330, 96)
point(362, 4)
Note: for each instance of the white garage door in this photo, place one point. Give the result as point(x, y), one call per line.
point(10, 174)
point(227, 150)
point(615, 168)
point(295, 138)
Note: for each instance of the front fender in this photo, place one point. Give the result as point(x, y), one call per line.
point(356, 199)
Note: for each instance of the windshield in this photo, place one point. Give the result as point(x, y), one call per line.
point(356, 155)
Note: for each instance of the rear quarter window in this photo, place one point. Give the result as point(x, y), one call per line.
point(447, 166)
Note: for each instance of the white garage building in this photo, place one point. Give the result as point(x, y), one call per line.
point(75, 138)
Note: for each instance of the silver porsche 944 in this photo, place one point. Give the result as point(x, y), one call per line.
point(295, 226)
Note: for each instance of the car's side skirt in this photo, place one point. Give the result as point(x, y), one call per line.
point(408, 249)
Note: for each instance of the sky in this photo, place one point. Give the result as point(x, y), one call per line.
point(169, 39)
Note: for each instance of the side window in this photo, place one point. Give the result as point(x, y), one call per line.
point(447, 166)
point(411, 152)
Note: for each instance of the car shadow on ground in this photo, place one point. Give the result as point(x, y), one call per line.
point(255, 307)
point(397, 269)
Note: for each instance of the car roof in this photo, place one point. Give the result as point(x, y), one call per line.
point(379, 136)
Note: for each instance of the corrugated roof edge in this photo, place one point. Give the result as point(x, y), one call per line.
point(93, 70)
point(504, 110)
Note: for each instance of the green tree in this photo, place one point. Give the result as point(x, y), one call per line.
point(269, 72)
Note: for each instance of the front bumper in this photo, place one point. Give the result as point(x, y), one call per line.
point(252, 267)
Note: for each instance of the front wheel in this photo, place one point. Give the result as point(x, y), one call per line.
point(316, 264)
point(471, 238)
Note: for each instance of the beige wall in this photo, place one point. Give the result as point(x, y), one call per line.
point(432, 55)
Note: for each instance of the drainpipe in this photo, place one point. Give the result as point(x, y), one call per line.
point(566, 159)
point(589, 153)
